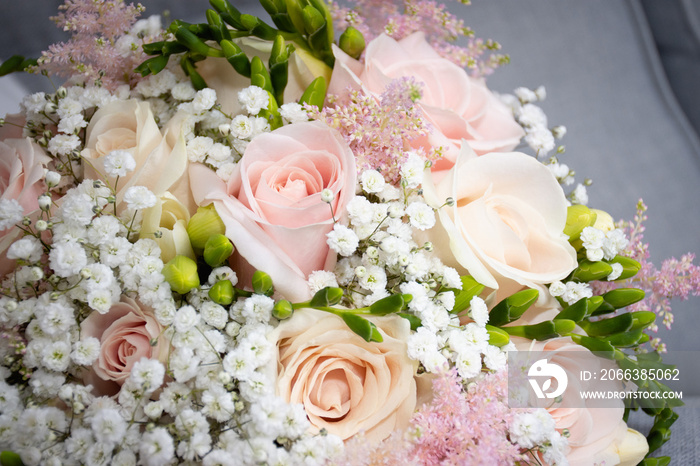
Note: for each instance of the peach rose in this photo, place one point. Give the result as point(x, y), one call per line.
point(506, 225)
point(346, 385)
point(125, 333)
point(161, 158)
point(272, 206)
point(220, 76)
point(22, 164)
point(458, 107)
point(598, 435)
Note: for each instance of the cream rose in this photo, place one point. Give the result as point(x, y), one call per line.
point(220, 76)
point(346, 385)
point(22, 164)
point(161, 158)
point(125, 333)
point(598, 435)
point(506, 225)
point(458, 107)
point(272, 206)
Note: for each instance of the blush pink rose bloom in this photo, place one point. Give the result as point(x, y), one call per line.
point(272, 206)
point(161, 157)
point(125, 333)
point(458, 107)
point(506, 225)
point(598, 435)
point(346, 384)
point(22, 164)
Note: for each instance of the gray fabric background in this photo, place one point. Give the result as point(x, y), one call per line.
point(632, 125)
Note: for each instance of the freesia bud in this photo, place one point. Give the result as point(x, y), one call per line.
point(203, 224)
point(603, 220)
point(222, 292)
point(217, 250)
point(181, 274)
point(352, 42)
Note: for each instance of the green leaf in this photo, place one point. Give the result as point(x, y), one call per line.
point(222, 292)
point(497, 336)
point(542, 331)
point(315, 93)
point(660, 461)
point(363, 327)
point(463, 297)
point(514, 306)
point(16, 63)
point(10, 458)
point(625, 339)
point(153, 65)
point(610, 326)
point(388, 305)
point(328, 296)
point(642, 319)
point(415, 321)
point(262, 283)
point(623, 297)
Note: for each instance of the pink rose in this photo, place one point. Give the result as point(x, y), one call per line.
point(598, 435)
point(272, 205)
point(125, 333)
point(161, 158)
point(346, 385)
point(458, 107)
point(22, 164)
point(506, 225)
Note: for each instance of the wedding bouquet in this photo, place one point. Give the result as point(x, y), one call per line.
point(244, 242)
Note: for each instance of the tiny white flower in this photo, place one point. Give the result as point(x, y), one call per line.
point(579, 195)
point(108, 426)
point(242, 127)
point(557, 288)
point(11, 213)
point(320, 279)
point(327, 196)
point(119, 163)
point(204, 100)
point(254, 99)
point(412, 170)
point(28, 249)
point(139, 198)
point(198, 147)
point(186, 318)
point(148, 374)
point(183, 91)
point(422, 216)
point(617, 270)
point(57, 356)
point(63, 144)
point(342, 240)
point(86, 351)
point(478, 311)
point(67, 258)
point(372, 181)
point(293, 113)
point(157, 447)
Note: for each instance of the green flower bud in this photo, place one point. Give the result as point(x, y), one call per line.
point(262, 283)
point(630, 267)
point(181, 273)
point(313, 19)
point(222, 292)
point(588, 271)
point(217, 250)
point(578, 217)
point(623, 297)
point(10, 458)
point(203, 224)
point(282, 310)
point(497, 336)
point(352, 42)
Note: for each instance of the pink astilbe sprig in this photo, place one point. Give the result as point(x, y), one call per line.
point(378, 129)
point(466, 426)
point(676, 279)
point(401, 18)
point(94, 52)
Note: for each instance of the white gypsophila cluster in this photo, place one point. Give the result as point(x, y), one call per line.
point(538, 136)
point(601, 244)
point(537, 428)
point(570, 292)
